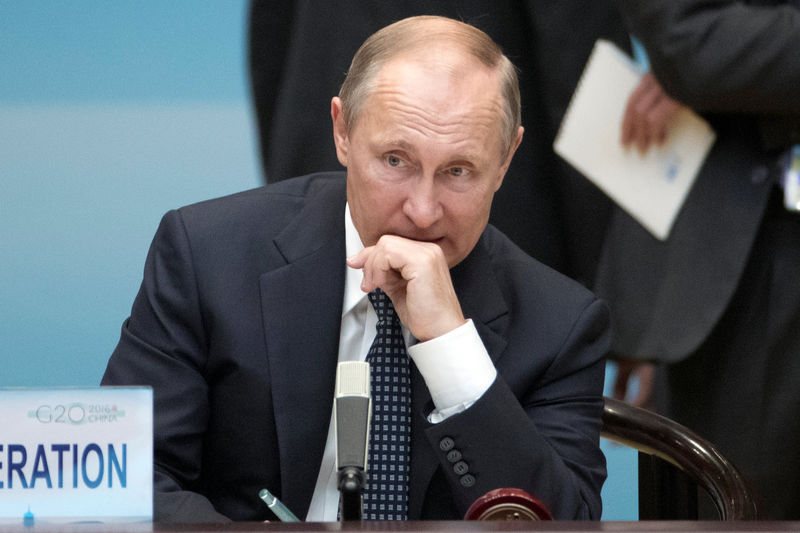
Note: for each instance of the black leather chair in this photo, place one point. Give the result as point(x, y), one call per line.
point(673, 462)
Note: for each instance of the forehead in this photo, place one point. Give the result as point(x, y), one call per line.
point(442, 97)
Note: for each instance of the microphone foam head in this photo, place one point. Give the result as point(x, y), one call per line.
point(352, 379)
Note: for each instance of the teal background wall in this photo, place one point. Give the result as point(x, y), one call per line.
point(111, 113)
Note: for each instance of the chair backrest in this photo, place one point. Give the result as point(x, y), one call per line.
point(658, 436)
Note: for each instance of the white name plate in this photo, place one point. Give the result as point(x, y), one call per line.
point(76, 454)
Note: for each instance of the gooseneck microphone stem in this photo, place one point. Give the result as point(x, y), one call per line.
point(352, 413)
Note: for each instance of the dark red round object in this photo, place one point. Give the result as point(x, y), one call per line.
point(507, 504)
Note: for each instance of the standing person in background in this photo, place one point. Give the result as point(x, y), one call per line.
point(718, 303)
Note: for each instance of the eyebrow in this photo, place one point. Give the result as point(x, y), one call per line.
point(469, 158)
point(400, 143)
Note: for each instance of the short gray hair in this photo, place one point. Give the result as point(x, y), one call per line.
point(413, 33)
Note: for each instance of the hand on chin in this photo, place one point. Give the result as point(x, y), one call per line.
point(416, 277)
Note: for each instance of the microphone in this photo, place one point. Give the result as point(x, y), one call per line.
point(507, 504)
point(352, 410)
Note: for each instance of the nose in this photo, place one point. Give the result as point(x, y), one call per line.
point(422, 203)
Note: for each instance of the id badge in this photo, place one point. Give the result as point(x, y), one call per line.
point(791, 180)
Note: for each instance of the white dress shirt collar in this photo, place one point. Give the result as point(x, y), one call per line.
point(353, 295)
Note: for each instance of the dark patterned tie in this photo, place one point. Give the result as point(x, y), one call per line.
point(386, 495)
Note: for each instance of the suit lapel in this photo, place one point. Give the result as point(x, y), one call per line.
point(302, 303)
point(481, 300)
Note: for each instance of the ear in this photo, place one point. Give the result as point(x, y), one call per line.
point(509, 156)
point(340, 137)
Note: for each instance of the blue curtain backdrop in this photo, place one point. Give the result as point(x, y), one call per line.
point(111, 113)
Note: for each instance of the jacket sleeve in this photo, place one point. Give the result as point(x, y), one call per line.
point(539, 434)
point(163, 345)
point(721, 55)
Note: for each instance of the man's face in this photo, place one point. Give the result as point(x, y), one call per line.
point(424, 158)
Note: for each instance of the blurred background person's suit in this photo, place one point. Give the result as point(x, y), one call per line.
point(297, 63)
point(719, 301)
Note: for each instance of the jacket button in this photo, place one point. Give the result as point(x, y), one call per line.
point(454, 456)
point(467, 480)
point(446, 444)
point(461, 468)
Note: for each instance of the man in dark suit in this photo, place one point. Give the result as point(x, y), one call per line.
point(248, 302)
point(718, 302)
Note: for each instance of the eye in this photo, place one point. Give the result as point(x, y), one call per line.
point(394, 161)
point(457, 172)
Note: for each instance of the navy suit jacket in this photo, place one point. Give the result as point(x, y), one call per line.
point(236, 327)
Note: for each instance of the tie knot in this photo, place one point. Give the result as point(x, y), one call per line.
point(382, 305)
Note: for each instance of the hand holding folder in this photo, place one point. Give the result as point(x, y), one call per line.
point(650, 186)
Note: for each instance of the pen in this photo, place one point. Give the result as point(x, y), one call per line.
point(280, 510)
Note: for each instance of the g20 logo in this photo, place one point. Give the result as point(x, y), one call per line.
point(76, 413)
point(60, 414)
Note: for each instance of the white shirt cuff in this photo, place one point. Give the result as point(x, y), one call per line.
point(457, 370)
